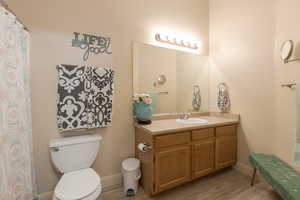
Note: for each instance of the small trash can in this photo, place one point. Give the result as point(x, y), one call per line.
point(131, 175)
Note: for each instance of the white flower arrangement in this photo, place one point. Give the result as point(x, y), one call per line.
point(146, 98)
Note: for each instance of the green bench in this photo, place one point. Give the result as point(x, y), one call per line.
point(284, 179)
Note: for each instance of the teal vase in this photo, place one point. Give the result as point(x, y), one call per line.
point(143, 112)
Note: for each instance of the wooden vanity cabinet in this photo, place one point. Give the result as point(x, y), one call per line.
point(203, 152)
point(172, 160)
point(178, 158)
point(226, 146)
point(172, 167)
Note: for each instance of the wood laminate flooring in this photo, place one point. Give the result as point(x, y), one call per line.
point(226, 185)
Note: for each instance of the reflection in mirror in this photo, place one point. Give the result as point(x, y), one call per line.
point(177, 81)
point(161, 79)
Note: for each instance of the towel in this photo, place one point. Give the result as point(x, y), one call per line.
point(71, 106)
point(297, 146)
point(99, 92)
point(84, 97)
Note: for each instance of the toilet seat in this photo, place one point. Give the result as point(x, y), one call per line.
point(93, 196)
point(83, 184)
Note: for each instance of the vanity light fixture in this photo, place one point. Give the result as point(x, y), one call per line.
point(175, 42)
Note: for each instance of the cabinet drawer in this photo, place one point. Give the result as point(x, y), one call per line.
point(172, 139)
point(202, 134)
point(226, 131)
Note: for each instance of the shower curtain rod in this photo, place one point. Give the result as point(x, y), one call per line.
point(5, 5)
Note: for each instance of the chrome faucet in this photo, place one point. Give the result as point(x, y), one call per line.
point(185, 116)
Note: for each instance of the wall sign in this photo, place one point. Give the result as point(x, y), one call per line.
point(91, 44)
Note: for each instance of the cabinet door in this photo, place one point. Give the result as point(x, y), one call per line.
point(226, 151)
point(203, 158)
point(172, 167)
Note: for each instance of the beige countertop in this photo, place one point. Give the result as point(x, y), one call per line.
point(162, 126)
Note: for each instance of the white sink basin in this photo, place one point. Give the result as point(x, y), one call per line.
point(192, 121)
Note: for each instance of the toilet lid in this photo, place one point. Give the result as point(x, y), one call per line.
point(77, 184)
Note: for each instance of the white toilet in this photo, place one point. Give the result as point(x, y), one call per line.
point(73, 156)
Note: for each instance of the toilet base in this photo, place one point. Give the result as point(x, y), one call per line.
point(94, 196)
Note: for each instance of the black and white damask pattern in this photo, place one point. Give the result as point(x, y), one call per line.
point(71, 107)
point(99, 98)
point(85, 97)
point(223, 98)
point(196, 103)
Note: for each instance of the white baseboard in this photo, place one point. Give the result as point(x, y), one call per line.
point(111, 182)
point(108, 183)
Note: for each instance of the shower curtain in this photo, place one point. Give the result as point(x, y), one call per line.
point(16, 167)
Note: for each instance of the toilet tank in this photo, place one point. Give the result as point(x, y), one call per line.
point(74, 153)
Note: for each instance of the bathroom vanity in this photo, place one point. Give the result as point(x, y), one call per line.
point(175, 151)
point(178, 153)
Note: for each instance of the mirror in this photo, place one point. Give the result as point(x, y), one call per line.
point(287, 50)
point(177, 81)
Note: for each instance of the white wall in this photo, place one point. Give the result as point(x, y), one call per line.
point(241, 51)
point(52, 23)
point(286, 29)
point(245, 38)
point(245, 42)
